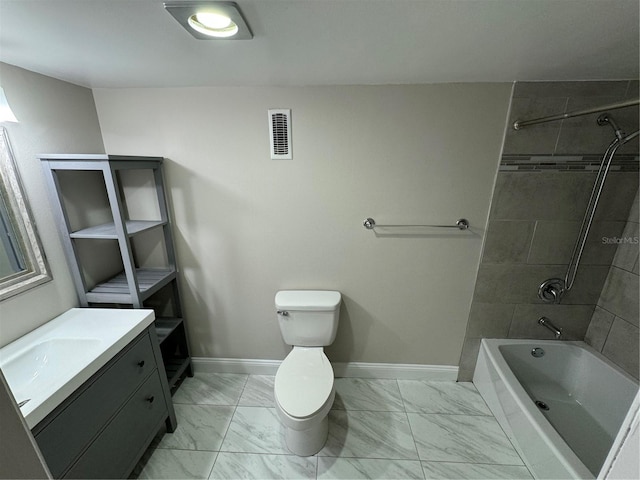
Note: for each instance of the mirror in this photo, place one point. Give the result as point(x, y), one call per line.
point(22, 262)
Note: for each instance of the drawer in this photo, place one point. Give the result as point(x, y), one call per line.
point(75, 424)
point(116, 449)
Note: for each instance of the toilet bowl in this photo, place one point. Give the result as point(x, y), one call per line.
point(304, 394)
point(303, 387)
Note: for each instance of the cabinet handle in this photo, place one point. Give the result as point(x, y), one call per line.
point(141, 363)
point(150, 398)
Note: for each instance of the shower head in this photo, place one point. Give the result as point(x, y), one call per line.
point(607, 119)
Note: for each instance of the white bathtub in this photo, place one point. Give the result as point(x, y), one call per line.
point(588, 398)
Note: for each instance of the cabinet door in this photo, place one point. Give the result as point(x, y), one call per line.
point(115, 450)
point(72, 429)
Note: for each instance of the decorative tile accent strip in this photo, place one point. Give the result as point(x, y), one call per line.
point(533, 163)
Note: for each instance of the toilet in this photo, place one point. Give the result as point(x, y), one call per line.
point(304, 389)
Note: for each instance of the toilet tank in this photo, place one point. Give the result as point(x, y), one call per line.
point(308, 318)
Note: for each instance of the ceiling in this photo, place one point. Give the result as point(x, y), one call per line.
point(135, 43)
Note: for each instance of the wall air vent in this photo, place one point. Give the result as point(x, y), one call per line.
point(280, 133)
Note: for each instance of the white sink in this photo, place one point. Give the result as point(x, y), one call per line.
point(46, 365)
point(40, 363)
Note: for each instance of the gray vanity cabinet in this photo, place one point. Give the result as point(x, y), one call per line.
point(104, 427)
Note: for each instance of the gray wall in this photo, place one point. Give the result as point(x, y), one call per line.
point(54, 117)
point(614, 326)
point(247, 226)
point(545, 179)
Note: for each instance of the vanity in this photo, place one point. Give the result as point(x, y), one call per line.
point(92, 388)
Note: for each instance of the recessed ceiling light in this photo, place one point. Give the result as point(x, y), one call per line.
point(213, 24)
point(210, 20)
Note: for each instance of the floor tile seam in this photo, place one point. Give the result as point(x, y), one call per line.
point(206, 404)
point(413, 437)
point(235, 409)
point(184, 449)
point(475, 463)
point(244, 386)
point(213, 465)
point(456, 414)
point(512, 444)
point(484, 402)
point(265, 453)
point(415, 442)
point(365, 410)
point(404, 459)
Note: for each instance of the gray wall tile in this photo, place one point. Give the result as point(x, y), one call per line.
point(507, 241)
point(489, 320)
point(617, 196)
point(634, 212)
point(596, 250)
point(627, 253)
point(621, 346)
point(542, 196)
point(505, 283)
point(553, 242)
point(584, 135)
point(633, 90)
point(620, 295)
point(572, 319)
point(599, 328)
point(468, 359)
point(588, 285)
point(540, 138)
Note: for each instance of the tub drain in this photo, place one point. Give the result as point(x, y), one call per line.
point(542, 405)
point(537, 352)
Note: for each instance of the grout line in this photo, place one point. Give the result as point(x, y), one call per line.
point(413, 437)
point(533, 236)
point(555, 146)
point(246, 380)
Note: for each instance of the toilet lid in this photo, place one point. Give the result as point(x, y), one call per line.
point(304, 381)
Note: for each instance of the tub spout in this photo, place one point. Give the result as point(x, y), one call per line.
point(545, 322)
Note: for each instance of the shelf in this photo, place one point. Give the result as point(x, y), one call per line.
point(156, 287)
point(175, 368)
point(116, 290)
point(107, 231)
point(165, 326)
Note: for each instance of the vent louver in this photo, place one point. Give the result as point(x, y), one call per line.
point(280, 134)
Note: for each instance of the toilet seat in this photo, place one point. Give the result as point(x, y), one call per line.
point(304, 382)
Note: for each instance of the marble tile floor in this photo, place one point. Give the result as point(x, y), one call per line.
point(228, 428)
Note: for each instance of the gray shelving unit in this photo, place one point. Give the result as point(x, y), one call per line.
point(134, 286)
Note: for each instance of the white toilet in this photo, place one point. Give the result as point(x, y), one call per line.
point(304, 390)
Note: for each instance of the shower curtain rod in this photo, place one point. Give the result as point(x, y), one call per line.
point(518, 124)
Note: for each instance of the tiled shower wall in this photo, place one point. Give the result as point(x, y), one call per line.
point(546, 175)
point(614, 326)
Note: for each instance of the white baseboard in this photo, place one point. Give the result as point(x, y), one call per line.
point(350, 369)
point(235, 365)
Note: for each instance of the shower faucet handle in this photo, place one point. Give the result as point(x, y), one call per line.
point(551, 290)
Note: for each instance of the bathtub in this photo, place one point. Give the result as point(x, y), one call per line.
point(582, 401)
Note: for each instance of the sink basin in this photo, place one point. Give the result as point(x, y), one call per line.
point(46, 365)
point(39, 364)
